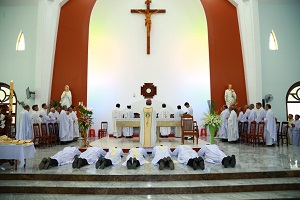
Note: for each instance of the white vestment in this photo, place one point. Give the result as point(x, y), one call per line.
point(247, 114)
point(160, 152)
point(45, 118)
point(223, 128)
point(52, 118)
point(212, 153)
point(92, 154)
point(184, 153)
point(242, 117)
point(66, 99)
point(230, 97)
point(116, 114)
point(233, 129)
point(75, 124)
point(35, 117)
point(153, 136)
point(260, 114)
point(138, 153)
point(164, 113)
point(114, 154)
point(251, 118)
point(71, 130)
point(270, 132)
point(296, 133)
point(66, 156)
point(64, 127)
point(128, 131)
point(25, 126)
point(177, 116)
point(190, 111)
point(57, 115)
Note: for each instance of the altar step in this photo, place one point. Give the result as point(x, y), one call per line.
point(150, 184)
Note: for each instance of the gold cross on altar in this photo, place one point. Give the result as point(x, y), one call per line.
point(148, 12)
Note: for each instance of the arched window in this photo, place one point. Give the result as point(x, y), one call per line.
point(273, 45)
point(20, 46)
point(293, 99)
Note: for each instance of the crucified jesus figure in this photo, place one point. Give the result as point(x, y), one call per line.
point(148, 14)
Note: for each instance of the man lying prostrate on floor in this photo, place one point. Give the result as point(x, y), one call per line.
point(188, 156)
point(113, 157)
point(162, 157)
point(88, 157)
point(135, 158)
point(66, 156)
point(213, 154)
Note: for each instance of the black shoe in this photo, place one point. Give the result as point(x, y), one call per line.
point(170, 163)
point(79, 163)
point(232, 161)
point(134, 163)
point(201, 163)
point(47, 164)
point(102, 165)
point(161, 163)
point(129, 163)
point(75, 162)
point(226, 161)
point(195, 163)
point(98, 163)
point(42, 163)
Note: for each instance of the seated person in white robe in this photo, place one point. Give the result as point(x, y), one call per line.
point(88, 157)
point(66, 156)
point(162, 157)
point(135, 158)
point(213, 154)
point(113, 157)
point(188, 156)
point(25, 125)
point(295, 129)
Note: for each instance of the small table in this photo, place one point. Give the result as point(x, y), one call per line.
point(17, 152)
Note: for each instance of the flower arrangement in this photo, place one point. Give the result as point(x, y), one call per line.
point(54, 103)
point(212, 121)
point(85, 121)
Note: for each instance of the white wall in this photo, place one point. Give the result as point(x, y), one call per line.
point(118, 64)
point(19, 66)
point(280, 69)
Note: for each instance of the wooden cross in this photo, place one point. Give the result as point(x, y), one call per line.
point(148, 12)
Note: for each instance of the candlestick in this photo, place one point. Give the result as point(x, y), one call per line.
point(11, 93)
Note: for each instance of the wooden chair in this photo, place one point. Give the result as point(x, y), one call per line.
point(46, 138)
point(240, 130)
point(52, 133)
point(252, 134)
point(37, 134)
point(283, 134)
point(102, 132)
point(260, 133)
point(188, 128)
point(56, 131)
point(245, 131)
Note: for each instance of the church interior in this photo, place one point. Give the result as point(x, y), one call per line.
point(189, 51)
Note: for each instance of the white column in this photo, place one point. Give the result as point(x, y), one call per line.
point(47, 26)
point(248, 18)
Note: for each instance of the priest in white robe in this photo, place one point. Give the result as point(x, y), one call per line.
point(260, 113)
point(224, 126)
point(189, 108)
point(241, 116)
point(148, 126)
point(233, 130)
point(177, 116)
point(51, 115)
point(113, 157)
point(213, 154)
point(295, 129)
point(44, 116)
point(57, 113)
point(164, 113)
point(64, 157)
point(65, 125)
point(162, 157)
point(75, 122)
point(252, 116)
point(35, 115)
point(270, 132)
point(117, 114)
point(135, 158)
point(230, 96)
point(128, 114)
point(66, 97)
point(25, 125)
point(188, 156)
point(290, 121)
point(88, 157)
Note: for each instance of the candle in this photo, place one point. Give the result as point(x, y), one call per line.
point(11, 93)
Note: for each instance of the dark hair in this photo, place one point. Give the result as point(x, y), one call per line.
point(258, 104)
point(163, 105)
point(72, 106)
point(268, 105)
point(43, 105)
point(34, 106)
point(225, 106)
point(129, 106)
point(186, 103)
point(26, 106)
point(118, 105)
point(179, 107)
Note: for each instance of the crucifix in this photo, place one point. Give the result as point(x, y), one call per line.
point(148, 12)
